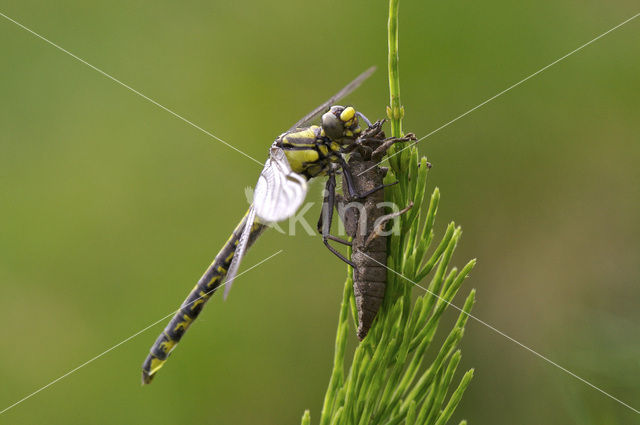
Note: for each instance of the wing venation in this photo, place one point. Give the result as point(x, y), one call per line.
point(279, 191)
point(335, 98)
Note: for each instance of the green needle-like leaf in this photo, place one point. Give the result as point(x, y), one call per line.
point(394, 377)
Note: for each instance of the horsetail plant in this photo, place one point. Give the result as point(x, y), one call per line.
point(388, 381)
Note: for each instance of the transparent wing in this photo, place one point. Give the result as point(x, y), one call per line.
point(241, 248)
point(333, 99)
point(277, 196)
point(279, 191)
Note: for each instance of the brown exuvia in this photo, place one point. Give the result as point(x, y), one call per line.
point(364, 219)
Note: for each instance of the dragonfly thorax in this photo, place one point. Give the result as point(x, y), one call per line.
point(309, 151)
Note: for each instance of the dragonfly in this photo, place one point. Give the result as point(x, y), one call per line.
point(296, 156)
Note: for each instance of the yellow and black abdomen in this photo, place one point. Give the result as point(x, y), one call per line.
point(191, 307)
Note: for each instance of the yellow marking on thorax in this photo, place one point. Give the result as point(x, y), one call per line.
point(303, 138)
point(316, 170)
point(299, 158)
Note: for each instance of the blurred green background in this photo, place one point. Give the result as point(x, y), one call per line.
point(112, 208)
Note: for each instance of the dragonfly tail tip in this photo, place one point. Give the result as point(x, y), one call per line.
point(146, 378)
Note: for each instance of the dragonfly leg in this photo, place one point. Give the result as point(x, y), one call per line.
point(329, 235)
point(337, 239)
point(351, 189)
point(326, 218)
point(348, 178)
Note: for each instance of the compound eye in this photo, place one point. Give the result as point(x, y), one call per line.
point(332, 125)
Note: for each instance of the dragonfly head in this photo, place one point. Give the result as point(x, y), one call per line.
point(341, 125)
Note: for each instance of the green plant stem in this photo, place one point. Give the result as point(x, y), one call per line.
point(390, 379)
point(337, 374)
point(395, 111)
